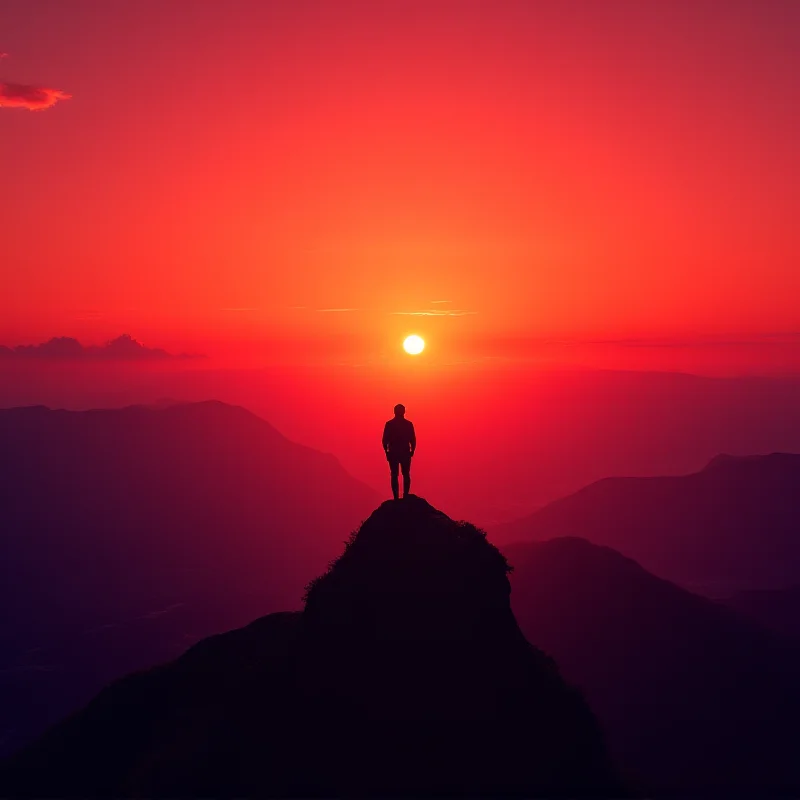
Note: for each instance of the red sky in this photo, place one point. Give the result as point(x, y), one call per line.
point(238, 172)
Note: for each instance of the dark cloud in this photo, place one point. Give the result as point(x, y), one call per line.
point(123, 348)
point(34, 98)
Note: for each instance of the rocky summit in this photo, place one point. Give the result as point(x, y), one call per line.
point(406, 673)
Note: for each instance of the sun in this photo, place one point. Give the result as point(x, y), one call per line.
point(413, 345)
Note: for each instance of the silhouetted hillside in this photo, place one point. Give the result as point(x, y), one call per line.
point(406, 674)
point(730, 527)
point(129, 534)
point(693, 698)
point(778, 609)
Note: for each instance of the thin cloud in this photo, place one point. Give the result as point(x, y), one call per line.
point(757, 340)
point(436, 302)
point(83, 315)
point(3, 55)
point(34, 98)
point(435, 312)
point(163, 611)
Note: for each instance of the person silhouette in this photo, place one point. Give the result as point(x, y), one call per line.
point(399, 444)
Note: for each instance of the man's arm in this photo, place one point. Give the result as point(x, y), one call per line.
point(412, 438)
point(385, 440)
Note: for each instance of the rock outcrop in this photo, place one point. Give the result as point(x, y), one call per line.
point(406, 673)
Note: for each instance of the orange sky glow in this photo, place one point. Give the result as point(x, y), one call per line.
point(316, 180)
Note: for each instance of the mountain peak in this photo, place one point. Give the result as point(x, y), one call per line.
point(406, 673)
point(409, 548)
point(410, 573)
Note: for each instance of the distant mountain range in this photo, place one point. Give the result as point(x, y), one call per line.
point(405, 675)
point(694, 698)
point(533, 436)
point(126, 535)
point(732, 527)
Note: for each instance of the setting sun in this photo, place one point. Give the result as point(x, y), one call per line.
point(413, 345)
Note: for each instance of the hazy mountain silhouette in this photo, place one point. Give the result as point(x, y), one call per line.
point(569, 427)
point(406, 674)
point(123, 348)
point(778, 609)
point(693, 698)
point(129, 534)
point(733, 526)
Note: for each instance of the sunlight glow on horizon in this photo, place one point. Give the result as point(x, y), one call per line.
point(494, 174)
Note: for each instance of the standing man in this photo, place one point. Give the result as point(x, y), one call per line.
point(399, 444)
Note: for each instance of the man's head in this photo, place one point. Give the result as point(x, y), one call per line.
point(399, 410)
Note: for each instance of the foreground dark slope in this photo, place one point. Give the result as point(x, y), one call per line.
point(733, 526)
point(693, 698)
point(778, 609)
point(405, 674)
point(126, 535)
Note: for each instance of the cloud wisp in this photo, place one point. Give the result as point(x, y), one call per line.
point(34, 98)
point(435, 312)
point(700, 341)
point(65, 348)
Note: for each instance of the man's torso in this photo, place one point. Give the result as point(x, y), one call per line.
point(398, 438)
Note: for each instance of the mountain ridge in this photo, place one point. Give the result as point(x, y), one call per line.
point(670, 674)
point(729, 527)
point(111, 515)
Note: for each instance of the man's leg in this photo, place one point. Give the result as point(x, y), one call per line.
point(407, 477)
point(394, 466)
